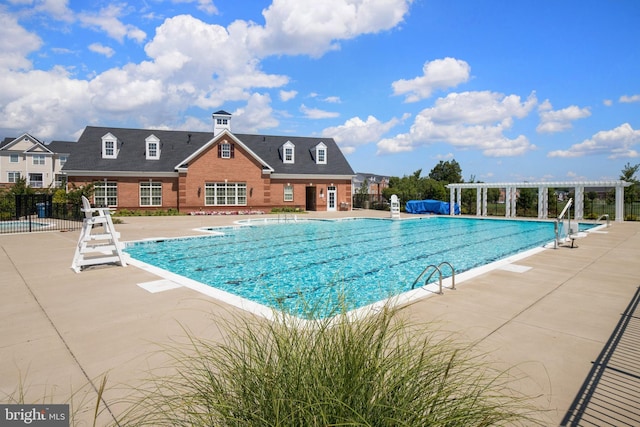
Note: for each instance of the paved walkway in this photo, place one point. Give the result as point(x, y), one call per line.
point(61, 332)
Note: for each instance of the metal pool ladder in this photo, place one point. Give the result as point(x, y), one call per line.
point(437, 269)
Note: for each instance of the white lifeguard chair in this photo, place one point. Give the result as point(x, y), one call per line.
point(100, 248)
point(395, 207)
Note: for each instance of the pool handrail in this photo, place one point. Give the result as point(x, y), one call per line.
point(557, 223)
point(438, 270)
point(605, 216)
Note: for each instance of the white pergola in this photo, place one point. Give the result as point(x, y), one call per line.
point(543, 192)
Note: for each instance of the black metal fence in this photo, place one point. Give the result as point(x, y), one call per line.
point(370, 201)
point(28, 213)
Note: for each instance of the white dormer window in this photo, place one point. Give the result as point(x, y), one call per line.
point(109, 147)
point(153, 147)
point(321, 154)
point(288, 152)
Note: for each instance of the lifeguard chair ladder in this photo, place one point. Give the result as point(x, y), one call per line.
point(395, 207)
point(100, 248)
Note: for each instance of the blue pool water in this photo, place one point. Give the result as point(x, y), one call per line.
point(317, 264)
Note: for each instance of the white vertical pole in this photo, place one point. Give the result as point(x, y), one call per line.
point(507, 202)
point(459, 198)
point(451, 200)
point(478, 201)
point(543, 202)
point(619, 202)
point(579, 203)
point(485, 190)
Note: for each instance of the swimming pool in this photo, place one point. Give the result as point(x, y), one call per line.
point(21, 226)
point(315, 265)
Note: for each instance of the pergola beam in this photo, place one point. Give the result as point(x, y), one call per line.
point(455, 195)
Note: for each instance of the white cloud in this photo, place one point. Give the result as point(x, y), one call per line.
point(206, 6)
point(438, 74)
point(256, 115)
point(356, 132)
point(333, 99)
point(107, 20)
point(287, 95)
point(607, 102)
point(617, 143)
point(468, 120)
point(311, 27)
point(101, 49)
point(559, 120)
point(15, 44)
point(315, 113)
point(629, 99)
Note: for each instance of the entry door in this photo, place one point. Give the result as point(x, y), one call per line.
point(331, 198)
point(311, 199)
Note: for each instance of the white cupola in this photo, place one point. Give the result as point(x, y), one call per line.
point(221, 122)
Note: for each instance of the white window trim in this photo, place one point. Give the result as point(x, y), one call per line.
point(218, 193)
point(225, 150)
point(110, 139)
point(286, 146)
point(288, 193)
point(321, 147)
point(151, 186)
point(16, 176)
point(14, 156)
point(41, 159)
point(149, 141)
point(104, 186)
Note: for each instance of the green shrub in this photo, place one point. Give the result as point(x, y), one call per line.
point(374, 371)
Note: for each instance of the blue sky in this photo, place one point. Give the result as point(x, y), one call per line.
point(540, 90)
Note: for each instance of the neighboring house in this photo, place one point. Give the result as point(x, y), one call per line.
point(376, 183)
point(209, 171)
point(27, 157)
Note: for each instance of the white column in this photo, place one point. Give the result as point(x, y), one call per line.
point(478, 201)
point(507, 202)
point(459, 198)
point(619, 203)
point(579, 203)
point(543, 202)
point(485, 191)
point(451, 200)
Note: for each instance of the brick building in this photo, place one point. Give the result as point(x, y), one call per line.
point(209, 171)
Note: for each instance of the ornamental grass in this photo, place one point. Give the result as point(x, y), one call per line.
point(373, 370)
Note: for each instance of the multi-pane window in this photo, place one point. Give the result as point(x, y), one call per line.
point(225, 151)
point(150, 194)
point(13, 177)
point(39, 159)
point(63, 159)
point(225, 194)
point(288, 152)
point(35, 180)
point(288, 193)
point(105, 193)
point(14, 158)
point(109, 148)
point(321, 154)
point(153, 150)
point(153, 147)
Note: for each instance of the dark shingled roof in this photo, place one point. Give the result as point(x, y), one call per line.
point(176, 146)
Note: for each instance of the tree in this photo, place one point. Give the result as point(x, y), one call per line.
point(628, 174)
point(447, 172)
point(527, 199)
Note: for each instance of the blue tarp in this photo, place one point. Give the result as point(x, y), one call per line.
point(430, 206)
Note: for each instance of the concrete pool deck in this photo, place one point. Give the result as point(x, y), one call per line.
point(548, 316)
